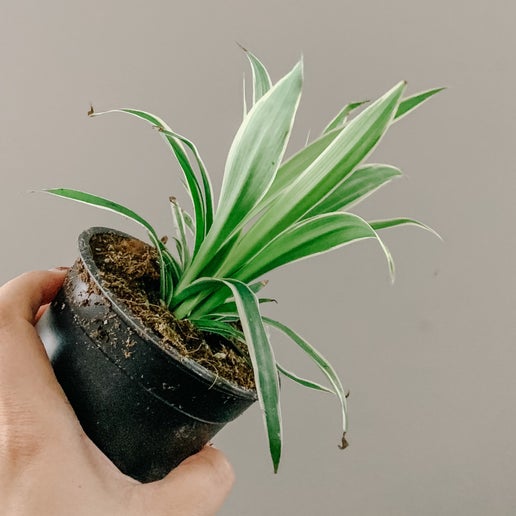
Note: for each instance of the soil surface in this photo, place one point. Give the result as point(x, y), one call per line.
point(129, 269)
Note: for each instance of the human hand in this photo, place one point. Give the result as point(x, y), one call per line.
point(48, 466)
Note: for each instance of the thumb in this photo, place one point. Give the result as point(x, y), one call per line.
point(22, 297)
point(199, 485)
point(25, 371)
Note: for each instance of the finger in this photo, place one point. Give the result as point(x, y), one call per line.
point(25, 371)
point(41, 311)
point(199, 485)
point(23, 296)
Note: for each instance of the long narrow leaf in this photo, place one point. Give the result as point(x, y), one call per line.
point(244, 100)
point(229, 331)
point(229, 308)
point(200, 202)
point(390, 223)
point(354, 188)
point(310, 237)
point(170, 272)
point(215, 295)
point(193, 304)
point(306, 238)
point(205, 178)
point(179, 223)
point(302, 381)
point(252, 162)
point(292, 169)
point(262, 358)
point(295, 165)
point(189, 223)
point(218, 327)
point(323, 365)
point(342, 116)
point(261, 79)
point(410, 103)
point(348, 149)
point(106, 204)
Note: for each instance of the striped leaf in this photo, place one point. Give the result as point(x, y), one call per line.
point(262, 358)
point(391, 223)
point(323, 364)
point(302, 381)
point(180, 226)
point(167, 264)
point(253, 160)
point(291, 170)
point(202, 198)
point(261, 79)
point(364, 181)
point(310, 237)
point(339, 159)
point(342, 116)
point(410, 103)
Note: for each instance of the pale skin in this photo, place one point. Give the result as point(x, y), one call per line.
point(48, 466)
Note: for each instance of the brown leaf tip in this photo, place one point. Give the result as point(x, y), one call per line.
point(344, 444)
point(242, 47)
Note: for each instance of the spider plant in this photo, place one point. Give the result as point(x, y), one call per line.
point(270, 212)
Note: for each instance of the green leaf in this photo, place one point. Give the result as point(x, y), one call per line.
point(229, 309)
point(313, 236)
point(294, 166)
point(390, 223)
point(364, 181)
point(292, 169)
point(258, 286)
point(205, 178)
point(214, 295)
point(170, 272)
point(166, 261)
point(342, 116)
point(252, 163)
point(302, 381)
point(346, 151)
point(220, 328)
point(189, 223)
point(409, 104)
point(203, 206)
point(322, 364)
point(261, 79)
point(262, 358)
point(257, 150)
point(244, 100)
point(180, 226)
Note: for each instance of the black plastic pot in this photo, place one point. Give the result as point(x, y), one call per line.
point(146, 408)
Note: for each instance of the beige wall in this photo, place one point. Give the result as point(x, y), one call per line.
point(429, 361)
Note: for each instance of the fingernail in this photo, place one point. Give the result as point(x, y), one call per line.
point(60, 269)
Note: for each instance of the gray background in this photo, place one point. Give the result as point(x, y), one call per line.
point(430, 360)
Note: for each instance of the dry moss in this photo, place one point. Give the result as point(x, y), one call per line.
point(129, 269)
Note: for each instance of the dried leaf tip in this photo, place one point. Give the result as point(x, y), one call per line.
point(91, 111)
point(344, 444)
point(242, 47)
